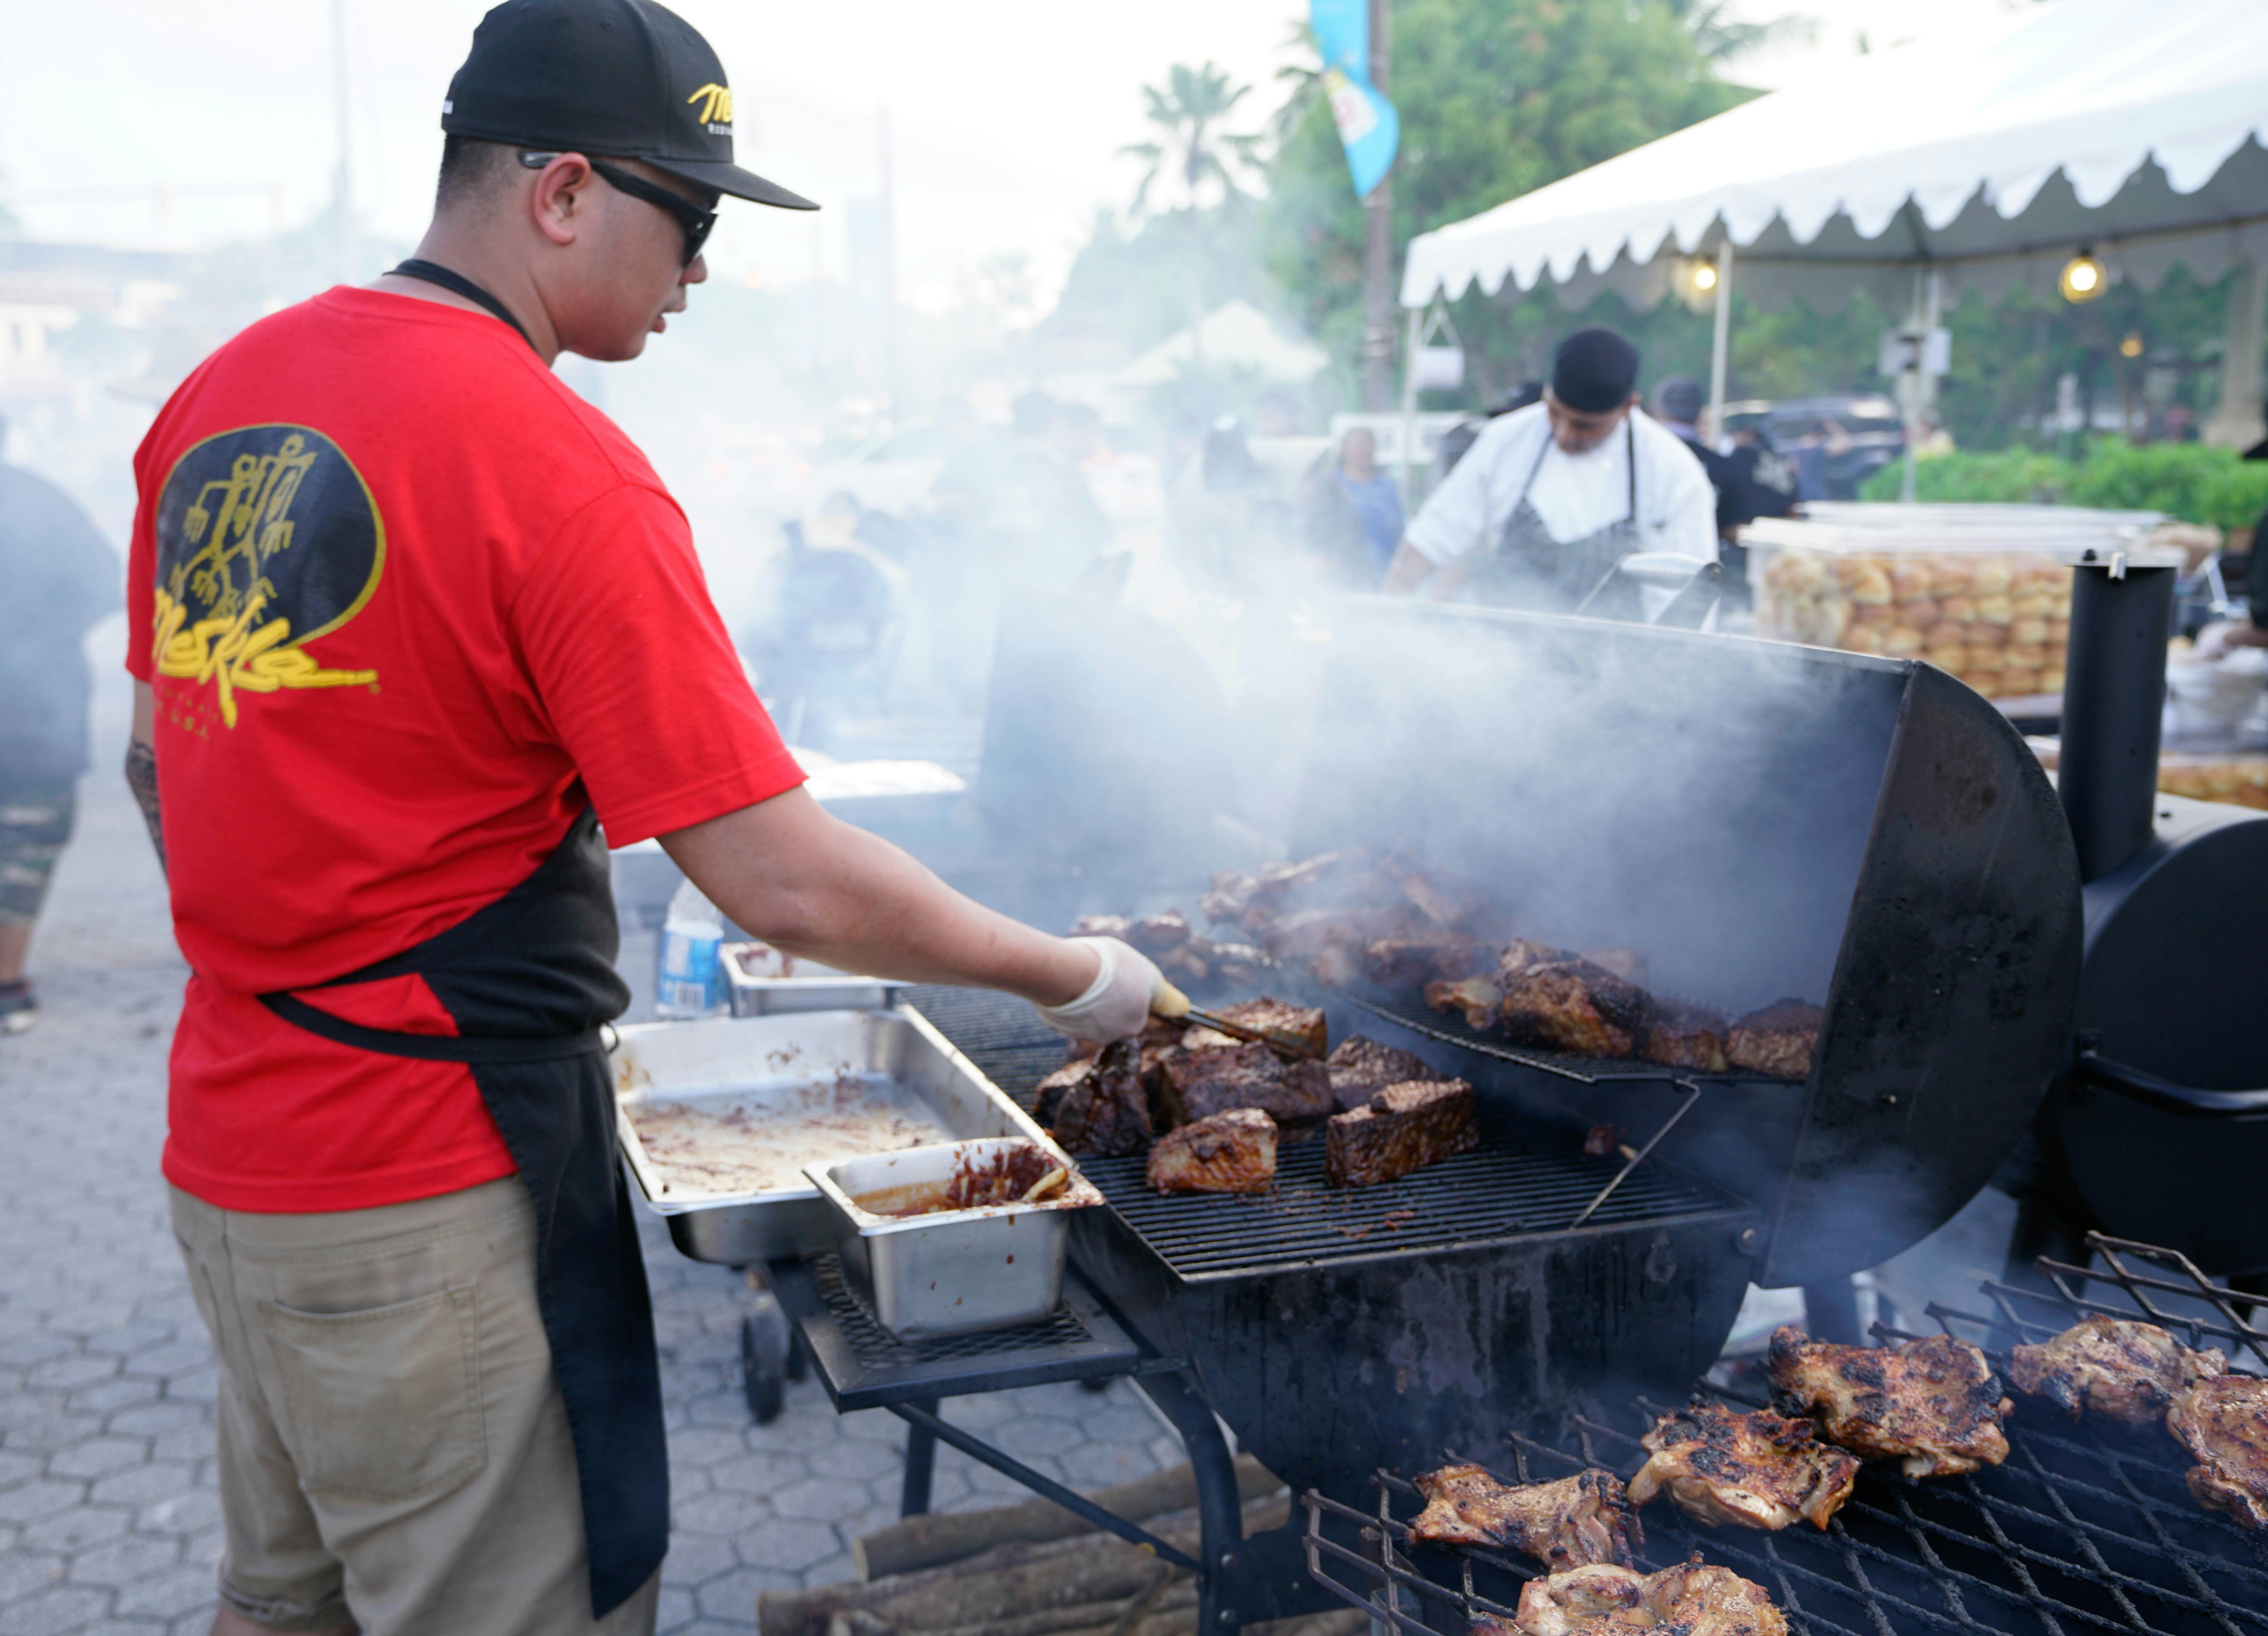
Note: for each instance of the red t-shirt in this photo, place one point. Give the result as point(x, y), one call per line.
point(408, 605)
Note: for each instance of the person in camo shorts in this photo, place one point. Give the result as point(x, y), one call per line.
point(58, 578)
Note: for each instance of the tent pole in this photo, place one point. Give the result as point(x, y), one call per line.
point(1912, 382)
point(1720, 343)
point(1410, 404)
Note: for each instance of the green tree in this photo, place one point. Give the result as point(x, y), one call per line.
point(1497, 98)
point(1190, 111)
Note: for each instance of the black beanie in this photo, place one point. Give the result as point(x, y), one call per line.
point(1594, 371)
point(1680, 399)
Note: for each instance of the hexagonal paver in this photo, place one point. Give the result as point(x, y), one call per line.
point(787, 1543)
point(764, 1472)
point(78, 1528)
point(821, 1498)
point(28, 1502)
point(97, 1457)
point(124, 1560)
point(59, 1611)
point(854, 1457)
point(731, 1598)
point(24, 1572)
point(719, 1514)
point(187, 1589)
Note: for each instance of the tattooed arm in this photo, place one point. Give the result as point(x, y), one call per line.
point(142, 765)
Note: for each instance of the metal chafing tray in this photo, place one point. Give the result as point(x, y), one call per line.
point(761, 981)
point(823, 1069)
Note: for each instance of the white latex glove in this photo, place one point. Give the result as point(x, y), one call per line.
point(1116, 1004)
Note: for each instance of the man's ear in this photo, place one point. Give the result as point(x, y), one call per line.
point(556, 202)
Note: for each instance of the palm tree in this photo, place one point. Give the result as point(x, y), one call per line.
point(1188, 111)
point(1720, 39)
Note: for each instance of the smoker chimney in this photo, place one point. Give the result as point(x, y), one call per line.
point(2113, 700)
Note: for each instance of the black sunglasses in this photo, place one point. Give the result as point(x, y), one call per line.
point(696, 223)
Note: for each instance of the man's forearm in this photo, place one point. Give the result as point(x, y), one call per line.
point(822, 890)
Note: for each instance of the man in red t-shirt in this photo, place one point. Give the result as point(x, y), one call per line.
point(410, 622)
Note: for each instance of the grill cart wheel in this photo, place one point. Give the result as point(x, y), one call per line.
point(768, 1360)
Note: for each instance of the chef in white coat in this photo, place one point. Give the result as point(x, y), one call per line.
point(1552, 497)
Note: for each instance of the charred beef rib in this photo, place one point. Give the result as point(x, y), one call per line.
point(1570, 1523)
point(1303, 1025)
point(1195, 1084)
point(1750, 1471)
point(1691, 1599)
point(1933, 1404)
point(1100, 1110)
point(1574, 1006)
point(1778, 1040)
point(1405, 1129)
point(2223, 1422)
point(1229, 1153)
point(1476, 997)
point(2117, 1369)
point(1686, 1037)
point(1360, 1068)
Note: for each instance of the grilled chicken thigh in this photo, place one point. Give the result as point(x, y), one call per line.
point(2112, 1367)
point(1750, 1471)
point(2223, 1422)
point(1569, 1523)
point(1933, 1404)
point(1229, 1153)
point(1691, 1599)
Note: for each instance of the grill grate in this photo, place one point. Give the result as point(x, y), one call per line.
point(875, 1347)
point(1493, 1192)
point(2080, 1530)
point(1450, 1028)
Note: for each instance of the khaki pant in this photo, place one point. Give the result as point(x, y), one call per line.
point(392, 1445)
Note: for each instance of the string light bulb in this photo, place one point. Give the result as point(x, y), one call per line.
point(2083, 279)
point(1705, 277)
point(2130, 347)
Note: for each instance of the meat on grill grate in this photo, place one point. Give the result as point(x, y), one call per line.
point(1304, 1023)
point(1686, 1037)
point(1228, 1153)
point(2223, 1422)
point(1196, 1084)
point(2116, 1367)
point(1572, 1005)
point(1778, 1039)
point(1100, 1110)
point(1751, 1470)
point(1477, 997)
point(1413, 961)
point(1360, 1068)
point(1184, 957)
point(1932, 1404)
point(1570, 1523)
point(1691, 1599)
point(1405, 1129)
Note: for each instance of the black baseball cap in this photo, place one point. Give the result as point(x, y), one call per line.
point(620, 78)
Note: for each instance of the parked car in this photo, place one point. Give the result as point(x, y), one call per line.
point(1837, 443)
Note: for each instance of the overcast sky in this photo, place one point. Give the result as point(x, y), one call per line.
point(1008, 114)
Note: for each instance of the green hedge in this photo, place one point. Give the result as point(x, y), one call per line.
point(2183, 480)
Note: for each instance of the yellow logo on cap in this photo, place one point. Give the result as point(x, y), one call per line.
point(718, 107)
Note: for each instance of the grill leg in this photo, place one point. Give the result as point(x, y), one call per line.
point(1830, 1312)
point(921, 1465)
point(1221, 1510)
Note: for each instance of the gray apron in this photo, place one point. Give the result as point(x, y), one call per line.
point(1530, 569)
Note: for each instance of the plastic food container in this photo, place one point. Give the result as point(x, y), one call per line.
point(948, 1271)
point(1982, 592)
point(761, 982)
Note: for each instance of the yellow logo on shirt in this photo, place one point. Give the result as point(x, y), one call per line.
point(267, 538)
point(716, 104)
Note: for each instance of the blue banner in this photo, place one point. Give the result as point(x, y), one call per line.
point(1369, 129)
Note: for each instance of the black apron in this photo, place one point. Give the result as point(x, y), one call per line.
point(530, 982)
point(1530, 569)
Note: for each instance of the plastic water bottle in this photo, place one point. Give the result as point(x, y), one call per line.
point(692, 981)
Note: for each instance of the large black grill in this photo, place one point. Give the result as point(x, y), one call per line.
point(2082, 1528)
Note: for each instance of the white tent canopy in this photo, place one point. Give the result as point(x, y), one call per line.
point(2134, 127)
point(1235, 335)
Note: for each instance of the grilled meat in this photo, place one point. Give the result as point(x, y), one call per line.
point(1570, 1523)
point(1627, 963)
point(1303, 1023)
point(1154, 935)
point(1105, 1113)
point(2112, 1367)
point(1691, 1599)
point(1686, 1037)
point(1778, 1039)
point(2223, 1422)
point(1750, 1471)
point(1572, 1005)
point(1360, 1068)
point(1405, 1129)
point(1411, 962)
point(1227, 1153)
point(1477, 997)
point(1934, 1405)
point(1196, 1084)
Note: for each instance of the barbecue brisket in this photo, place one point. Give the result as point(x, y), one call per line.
point(1105, 1113)
point(1302, 1024)
point(1196, 1084)
point(1572, 1005)
point(1686, 1037)
point(1778, 1039)
point(1233, 1152)
point(1361, 1068)
point(1405, 1128)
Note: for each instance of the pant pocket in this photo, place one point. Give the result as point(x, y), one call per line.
point(384, 1403)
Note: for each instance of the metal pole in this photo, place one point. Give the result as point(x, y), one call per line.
point(1912, 407)
point(2114, 691)
point(1720, 343)
point(343, 179)
point(1378, 245)
point(890, 383)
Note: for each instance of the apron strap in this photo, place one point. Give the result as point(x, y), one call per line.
point(432, 1047)
point(457, 283)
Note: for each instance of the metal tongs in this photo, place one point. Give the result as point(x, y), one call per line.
point(1171, 1005)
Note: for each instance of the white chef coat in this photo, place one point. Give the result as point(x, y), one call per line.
point(1573, 494)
